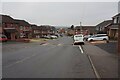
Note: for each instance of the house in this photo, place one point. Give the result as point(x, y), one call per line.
point(36, 31)
point(43, 30)
point(52, 30)
point(0, 29)
point(9, 27)
point(102, 27)
point(47, 30)
point(116, 22)
point(25, 28)
point(112, 31)
point(70, 32)
point(85, 30)
point(61, 30)
point(1, 24)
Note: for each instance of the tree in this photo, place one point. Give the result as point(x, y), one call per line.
point(72, 27)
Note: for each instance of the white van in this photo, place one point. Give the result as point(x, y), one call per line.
point(78, 39)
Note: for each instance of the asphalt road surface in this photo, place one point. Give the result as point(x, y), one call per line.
point(55, 59)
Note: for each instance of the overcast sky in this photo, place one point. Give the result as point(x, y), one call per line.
point(61, 13)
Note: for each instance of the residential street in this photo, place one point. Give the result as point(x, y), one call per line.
point(56, 59)
point(66, 40)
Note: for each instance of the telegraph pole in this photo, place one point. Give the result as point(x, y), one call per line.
point(81, 27)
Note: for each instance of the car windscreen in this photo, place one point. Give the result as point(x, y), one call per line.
point(3, 37)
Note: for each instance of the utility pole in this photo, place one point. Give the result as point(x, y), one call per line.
point(81, 27)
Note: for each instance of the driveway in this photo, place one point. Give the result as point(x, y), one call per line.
point(110, 47)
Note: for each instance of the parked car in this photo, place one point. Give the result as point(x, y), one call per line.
point(3, 38)
point(78, 39)
point(47, 37)
point(53, 37)
point(61, 35)
point(99, 37)
point(86, 37)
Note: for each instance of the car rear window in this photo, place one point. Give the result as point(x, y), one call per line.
point(78, 36)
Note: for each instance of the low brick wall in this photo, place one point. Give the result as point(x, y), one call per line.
point(23, 40)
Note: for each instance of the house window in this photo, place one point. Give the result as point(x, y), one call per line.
point(115, 20)
point(21, 27)
point(30, 28)
point(34, 31)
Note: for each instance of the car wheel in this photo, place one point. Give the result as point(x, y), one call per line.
point(83, 43)
point(91, 40)
point(104, 39)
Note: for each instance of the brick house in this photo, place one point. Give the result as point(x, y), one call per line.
point(85, 30)
point(70, 32)
point(0, 24)
point(47, 30)
point(119, 29)
point(0, 30)
point(102, 27)
point(52, 30)
point(112, 31)
point(116, 21)
point(61, 30)
point(36, 31)
point(43, 30)
point(25, 28)
point(9, 27)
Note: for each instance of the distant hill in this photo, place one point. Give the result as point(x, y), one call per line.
point(65, 27)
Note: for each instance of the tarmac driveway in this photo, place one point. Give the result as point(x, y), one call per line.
point(110, 47)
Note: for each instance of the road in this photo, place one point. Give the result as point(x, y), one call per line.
point(54, 59)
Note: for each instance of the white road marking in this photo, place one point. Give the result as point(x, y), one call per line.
point(81, 49)
point(94, 69)
point(59, 44)
point(21, 60)
point(45, 44)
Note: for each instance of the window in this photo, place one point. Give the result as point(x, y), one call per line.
point(21, 27)
point(118, 20)
point(115, 20)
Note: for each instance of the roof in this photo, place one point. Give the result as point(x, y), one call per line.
point(116, 15)
point(34, 26)
point(104, 23)
point(113, 26)
point(85, 26)
point(6, 19)
point(22, 22)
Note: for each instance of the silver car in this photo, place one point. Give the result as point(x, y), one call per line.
point(99, 37)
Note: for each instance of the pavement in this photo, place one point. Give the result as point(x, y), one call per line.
point(106, 64)
point(57, 59)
